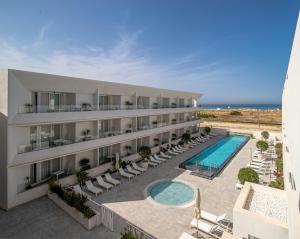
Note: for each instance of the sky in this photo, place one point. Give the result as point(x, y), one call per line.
point(231, 51)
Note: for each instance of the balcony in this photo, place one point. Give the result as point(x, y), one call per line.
point(29, 109)
point(32, 154)
point(75, 114)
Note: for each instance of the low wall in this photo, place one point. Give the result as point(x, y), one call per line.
point(87, 223)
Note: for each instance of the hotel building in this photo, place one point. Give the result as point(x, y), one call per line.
point(50, 123)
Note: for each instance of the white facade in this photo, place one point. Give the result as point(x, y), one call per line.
point(257, 225)
point(50, 123)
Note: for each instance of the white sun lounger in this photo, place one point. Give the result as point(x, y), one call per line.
point(184, 235)
point(111, 180)
point(78, 189)
point(103, 184)
point(179, 149)
point(136, 167)
point(165, 156)
point(207, 228)
point(154, 160)
point(158, 158)
point(182, 148)
point(131, 170)
point(92, 188)
point(172, 153)
point(124, 174)
point(176, 151)
point(211, 217)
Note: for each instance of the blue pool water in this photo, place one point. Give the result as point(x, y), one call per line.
point(171, 193)
point(215, 155)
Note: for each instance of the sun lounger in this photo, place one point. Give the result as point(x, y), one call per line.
point(165, 156)
point(103, 184)
point(154, 160)
point(152, 164)
point(78, 189)
point(179, 149)
point(171, 152)
point(131, 170)
point(176, 151)
point(184, 235)
point(111, 180)
point(211, 217)
point(124, 174)
point(92, 188)
point(158, 158)
point(182, 148)
point(136, 167)
point(207, 228)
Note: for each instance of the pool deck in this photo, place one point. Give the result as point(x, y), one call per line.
point(42, 219)
point(217, 196)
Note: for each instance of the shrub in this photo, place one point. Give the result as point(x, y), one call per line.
point(278, 149)
point(207, 130)
point(235, 113)
point(186, 137)
point(265, 135)
point(278, 183)
point(206, 116)
point(249, 175)
point(88, 212)
point(262, 145)
point(130, 234)
point(144, 151)
point(56, 188)
point(279, 166)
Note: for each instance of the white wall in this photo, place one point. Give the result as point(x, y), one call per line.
point(291, 129)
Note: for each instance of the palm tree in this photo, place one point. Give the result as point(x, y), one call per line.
point(186, 137)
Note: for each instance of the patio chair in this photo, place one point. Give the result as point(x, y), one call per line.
point(172, 153)
point(211, 217)
point(154, 160)
point(211, 230)
point(124, 174)
point(92, 188)
point(103, 184)
point(136, 167)
point(111, 180)
point(78, 189)
point(164, 155)
point(158, 158)
point(176, 151)
point(184, 235)
point(131, 170)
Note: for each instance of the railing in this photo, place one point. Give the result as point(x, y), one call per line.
point(52, 143)
point(116, 223)
point(24, 109)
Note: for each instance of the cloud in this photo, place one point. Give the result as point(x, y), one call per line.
point(124, 61)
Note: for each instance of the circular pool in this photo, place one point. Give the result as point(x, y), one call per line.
point(171, 193)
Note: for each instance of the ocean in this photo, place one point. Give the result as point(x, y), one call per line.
point(241, 106)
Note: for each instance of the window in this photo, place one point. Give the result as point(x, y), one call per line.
point(45, 170)
point(33, 173)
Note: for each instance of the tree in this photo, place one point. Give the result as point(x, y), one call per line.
point(278, 183)
point(144, 151)
point(262, 145)
point(279, 166)
point(84, 164)
point(249, 175)
point(265, 135)
point(278, 149)
point(207, 130)
point(186, 137)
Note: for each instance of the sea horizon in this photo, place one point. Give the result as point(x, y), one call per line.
point(242, 106)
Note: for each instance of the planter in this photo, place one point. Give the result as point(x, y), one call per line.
point(87, 223)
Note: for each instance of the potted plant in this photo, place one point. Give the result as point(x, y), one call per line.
point(28, 108)
point(154, 123)
point(82, 176)
point(145, 152)
point(156, 141)
point(86, 106)
point(128, 104)
point(174, 136)
point(155, 105)
point(174, 105)
point(128, 149)
point(84, 164)
point(27, 183)
point(174, 121)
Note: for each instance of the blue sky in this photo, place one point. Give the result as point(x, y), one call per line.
point(231, 51)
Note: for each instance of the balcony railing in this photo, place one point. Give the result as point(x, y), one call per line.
point(51, 143)
point(24, 109)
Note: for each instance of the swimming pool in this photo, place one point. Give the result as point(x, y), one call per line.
point(212, 160)
point(171, 193)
